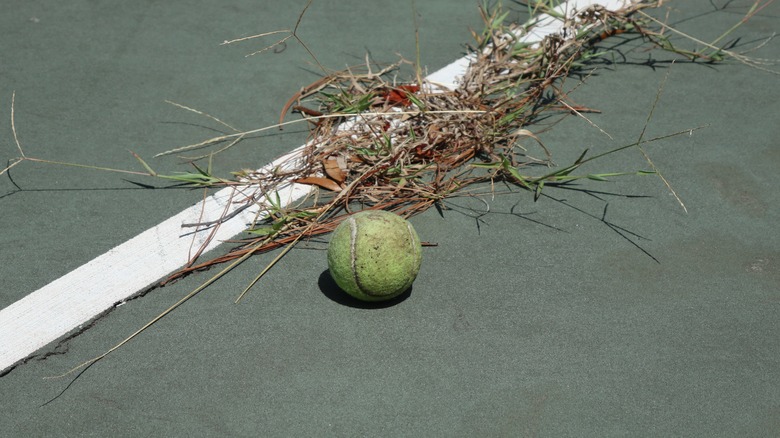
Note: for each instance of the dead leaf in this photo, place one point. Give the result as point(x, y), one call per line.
point(334, 169)
point(325, 183)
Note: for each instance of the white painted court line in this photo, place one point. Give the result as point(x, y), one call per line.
point(72, 300)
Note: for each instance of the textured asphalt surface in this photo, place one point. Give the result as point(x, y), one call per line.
point(604, 310)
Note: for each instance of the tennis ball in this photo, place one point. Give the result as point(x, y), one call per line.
point(374, 255)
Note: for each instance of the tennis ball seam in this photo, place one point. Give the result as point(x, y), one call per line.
point(352, 251)
point(353, 230)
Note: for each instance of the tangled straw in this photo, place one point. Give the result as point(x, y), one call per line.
point(378, 144)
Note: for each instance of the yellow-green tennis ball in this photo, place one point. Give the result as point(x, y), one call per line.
point(374, 255)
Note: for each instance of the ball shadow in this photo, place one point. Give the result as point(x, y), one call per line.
point(330, 289)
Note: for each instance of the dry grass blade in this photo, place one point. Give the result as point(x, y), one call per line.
point(21, 157)
point(201, 113)
point(24, 157)
point(644, 153)
point(718, 53)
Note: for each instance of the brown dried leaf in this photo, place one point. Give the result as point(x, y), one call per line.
point(325, 183)
point(335, 170)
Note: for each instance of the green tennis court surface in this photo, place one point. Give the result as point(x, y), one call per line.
point(603, 311)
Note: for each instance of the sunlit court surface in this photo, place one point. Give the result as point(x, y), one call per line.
point(605, 265)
